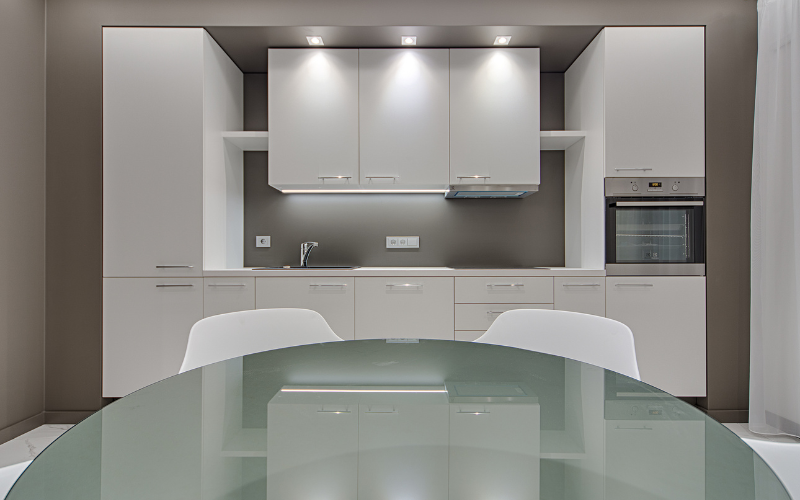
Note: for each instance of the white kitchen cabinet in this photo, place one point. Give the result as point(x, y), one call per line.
point(146, 323)
point(313, 117)
point(494, 116)
point(504, 290)
point(168, 93)
point(404, 307)
point(333, 298)
point(404, 117)
point(655, 101)
point(481, 316)
point(225, 295)
point(583, 295)
point(667, 315)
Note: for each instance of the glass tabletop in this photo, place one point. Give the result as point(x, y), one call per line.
point(398, 420)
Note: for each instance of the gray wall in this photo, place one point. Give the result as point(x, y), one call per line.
point(22, 201)
point(74, 116)
point(352, 229)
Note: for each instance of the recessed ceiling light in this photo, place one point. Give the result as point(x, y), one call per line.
point(502, 40)
point(314, 40)
point(408, 40)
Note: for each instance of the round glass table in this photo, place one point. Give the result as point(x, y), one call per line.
point(398, 419)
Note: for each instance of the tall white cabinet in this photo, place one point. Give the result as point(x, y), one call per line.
point(168, 187)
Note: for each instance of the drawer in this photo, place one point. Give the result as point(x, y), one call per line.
point(404, 307)
point(225, 295)
point(333, 298)
point(583, 295)
point(504, 290)
point(481, 316)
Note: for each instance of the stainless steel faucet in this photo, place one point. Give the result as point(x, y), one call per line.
point(305, 249)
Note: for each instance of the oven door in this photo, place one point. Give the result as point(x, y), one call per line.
point(655, 236)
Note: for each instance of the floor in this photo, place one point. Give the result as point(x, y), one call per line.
point(16, 454)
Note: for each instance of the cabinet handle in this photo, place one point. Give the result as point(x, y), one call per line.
point(174, 267)
point(323, 177)
point(324, 285)
point(580, 284)
point(169, 285)
point(226, 284)
point(403, 285)
point(473, 177)
point(633, 168)
point(333, 411)
point(381, 176)
point(513, 285)
point(491, 313)
point(484, 412)
point(645, 428)
point(633, 284)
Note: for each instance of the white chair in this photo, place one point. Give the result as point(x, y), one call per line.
point(227, 336)
point(583, 337)
point(783, 459)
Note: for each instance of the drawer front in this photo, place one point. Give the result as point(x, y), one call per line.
point(481, 316)
point(583, 295)
point(504, 290)
point(404, 307)
point(333, 298)
point(225, 295)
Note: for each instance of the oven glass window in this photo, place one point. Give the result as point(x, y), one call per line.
point(654, 234)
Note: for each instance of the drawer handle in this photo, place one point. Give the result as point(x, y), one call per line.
point(326, 285)
point(645, 428)
point(484, 412)
point(170, 285)
point(403, 285)
point(226, 284)
point(174, 267)
point(473, 177)
point(323, 177)
point(492, 313)
point(334, 411)
point(633, 168)
point(381, 176)
point(633, 284)
point(581, 284)
point(513, 285)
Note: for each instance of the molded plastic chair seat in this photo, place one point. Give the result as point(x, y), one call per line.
point(590, 339)
point(227, 336)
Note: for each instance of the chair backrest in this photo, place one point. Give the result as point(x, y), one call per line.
point(783, 459)
point(583, 337)
point(227, 336)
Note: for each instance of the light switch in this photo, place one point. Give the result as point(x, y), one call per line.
point(262, 241)
point(413, 242)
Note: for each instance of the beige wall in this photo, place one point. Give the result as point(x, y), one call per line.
point(74, 115)
point(22, 203)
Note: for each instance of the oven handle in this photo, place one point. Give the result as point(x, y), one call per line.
point(658, 204)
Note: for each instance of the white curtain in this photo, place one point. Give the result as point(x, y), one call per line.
point(775, 245)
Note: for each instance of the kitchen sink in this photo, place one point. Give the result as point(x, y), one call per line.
point(301, 267)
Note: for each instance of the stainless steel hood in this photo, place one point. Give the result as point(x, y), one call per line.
point(490, 191)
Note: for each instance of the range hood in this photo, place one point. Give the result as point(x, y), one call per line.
point(490, 191)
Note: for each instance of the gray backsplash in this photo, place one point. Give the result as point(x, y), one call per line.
point(352, 228)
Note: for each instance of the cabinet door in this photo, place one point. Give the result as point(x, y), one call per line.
point(333, 298)
point(655, 102)
point(152, 152)
point(404, 307)
point(479, 317)
point(504, 290)
point(313, 117)
point(225, 295)
point(403, 114)
point(583, 295)
point(667, 315)
point(494, 116)
point(146, 323)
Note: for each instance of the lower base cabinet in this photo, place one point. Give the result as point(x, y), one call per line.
point(667, 315)
point(146, 323)
point(227, 295)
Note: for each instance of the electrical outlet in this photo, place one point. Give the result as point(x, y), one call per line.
point(262, 241)
point(402, 242)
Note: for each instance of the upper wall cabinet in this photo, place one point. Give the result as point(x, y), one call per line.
point(494, 116)
point(168, 93)
point(313, 117)
point(404, 120)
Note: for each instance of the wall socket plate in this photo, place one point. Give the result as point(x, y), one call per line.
point(263, 241)
point(402, 242)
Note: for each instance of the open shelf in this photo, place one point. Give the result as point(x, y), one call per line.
point(246, 443)
point(559, 140)
point(248, 141)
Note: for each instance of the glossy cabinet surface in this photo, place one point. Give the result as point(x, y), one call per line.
point(415, 307)
point(146, 323)
point(333, 298)
point(313, 116)
point(667, 315)
point(404, 117)
point(504, 290)
point(583, 295)
point(494, 116)
point(225, 295)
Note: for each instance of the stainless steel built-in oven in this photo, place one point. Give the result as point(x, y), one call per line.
point(655, 226)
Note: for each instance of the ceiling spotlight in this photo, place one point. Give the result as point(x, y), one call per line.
point(314, 40)
point(502, 40)
point(408, 40)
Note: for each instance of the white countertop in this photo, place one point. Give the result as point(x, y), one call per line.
point(409, 271)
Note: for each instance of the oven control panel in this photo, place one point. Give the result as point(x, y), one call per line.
point(676, 186)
